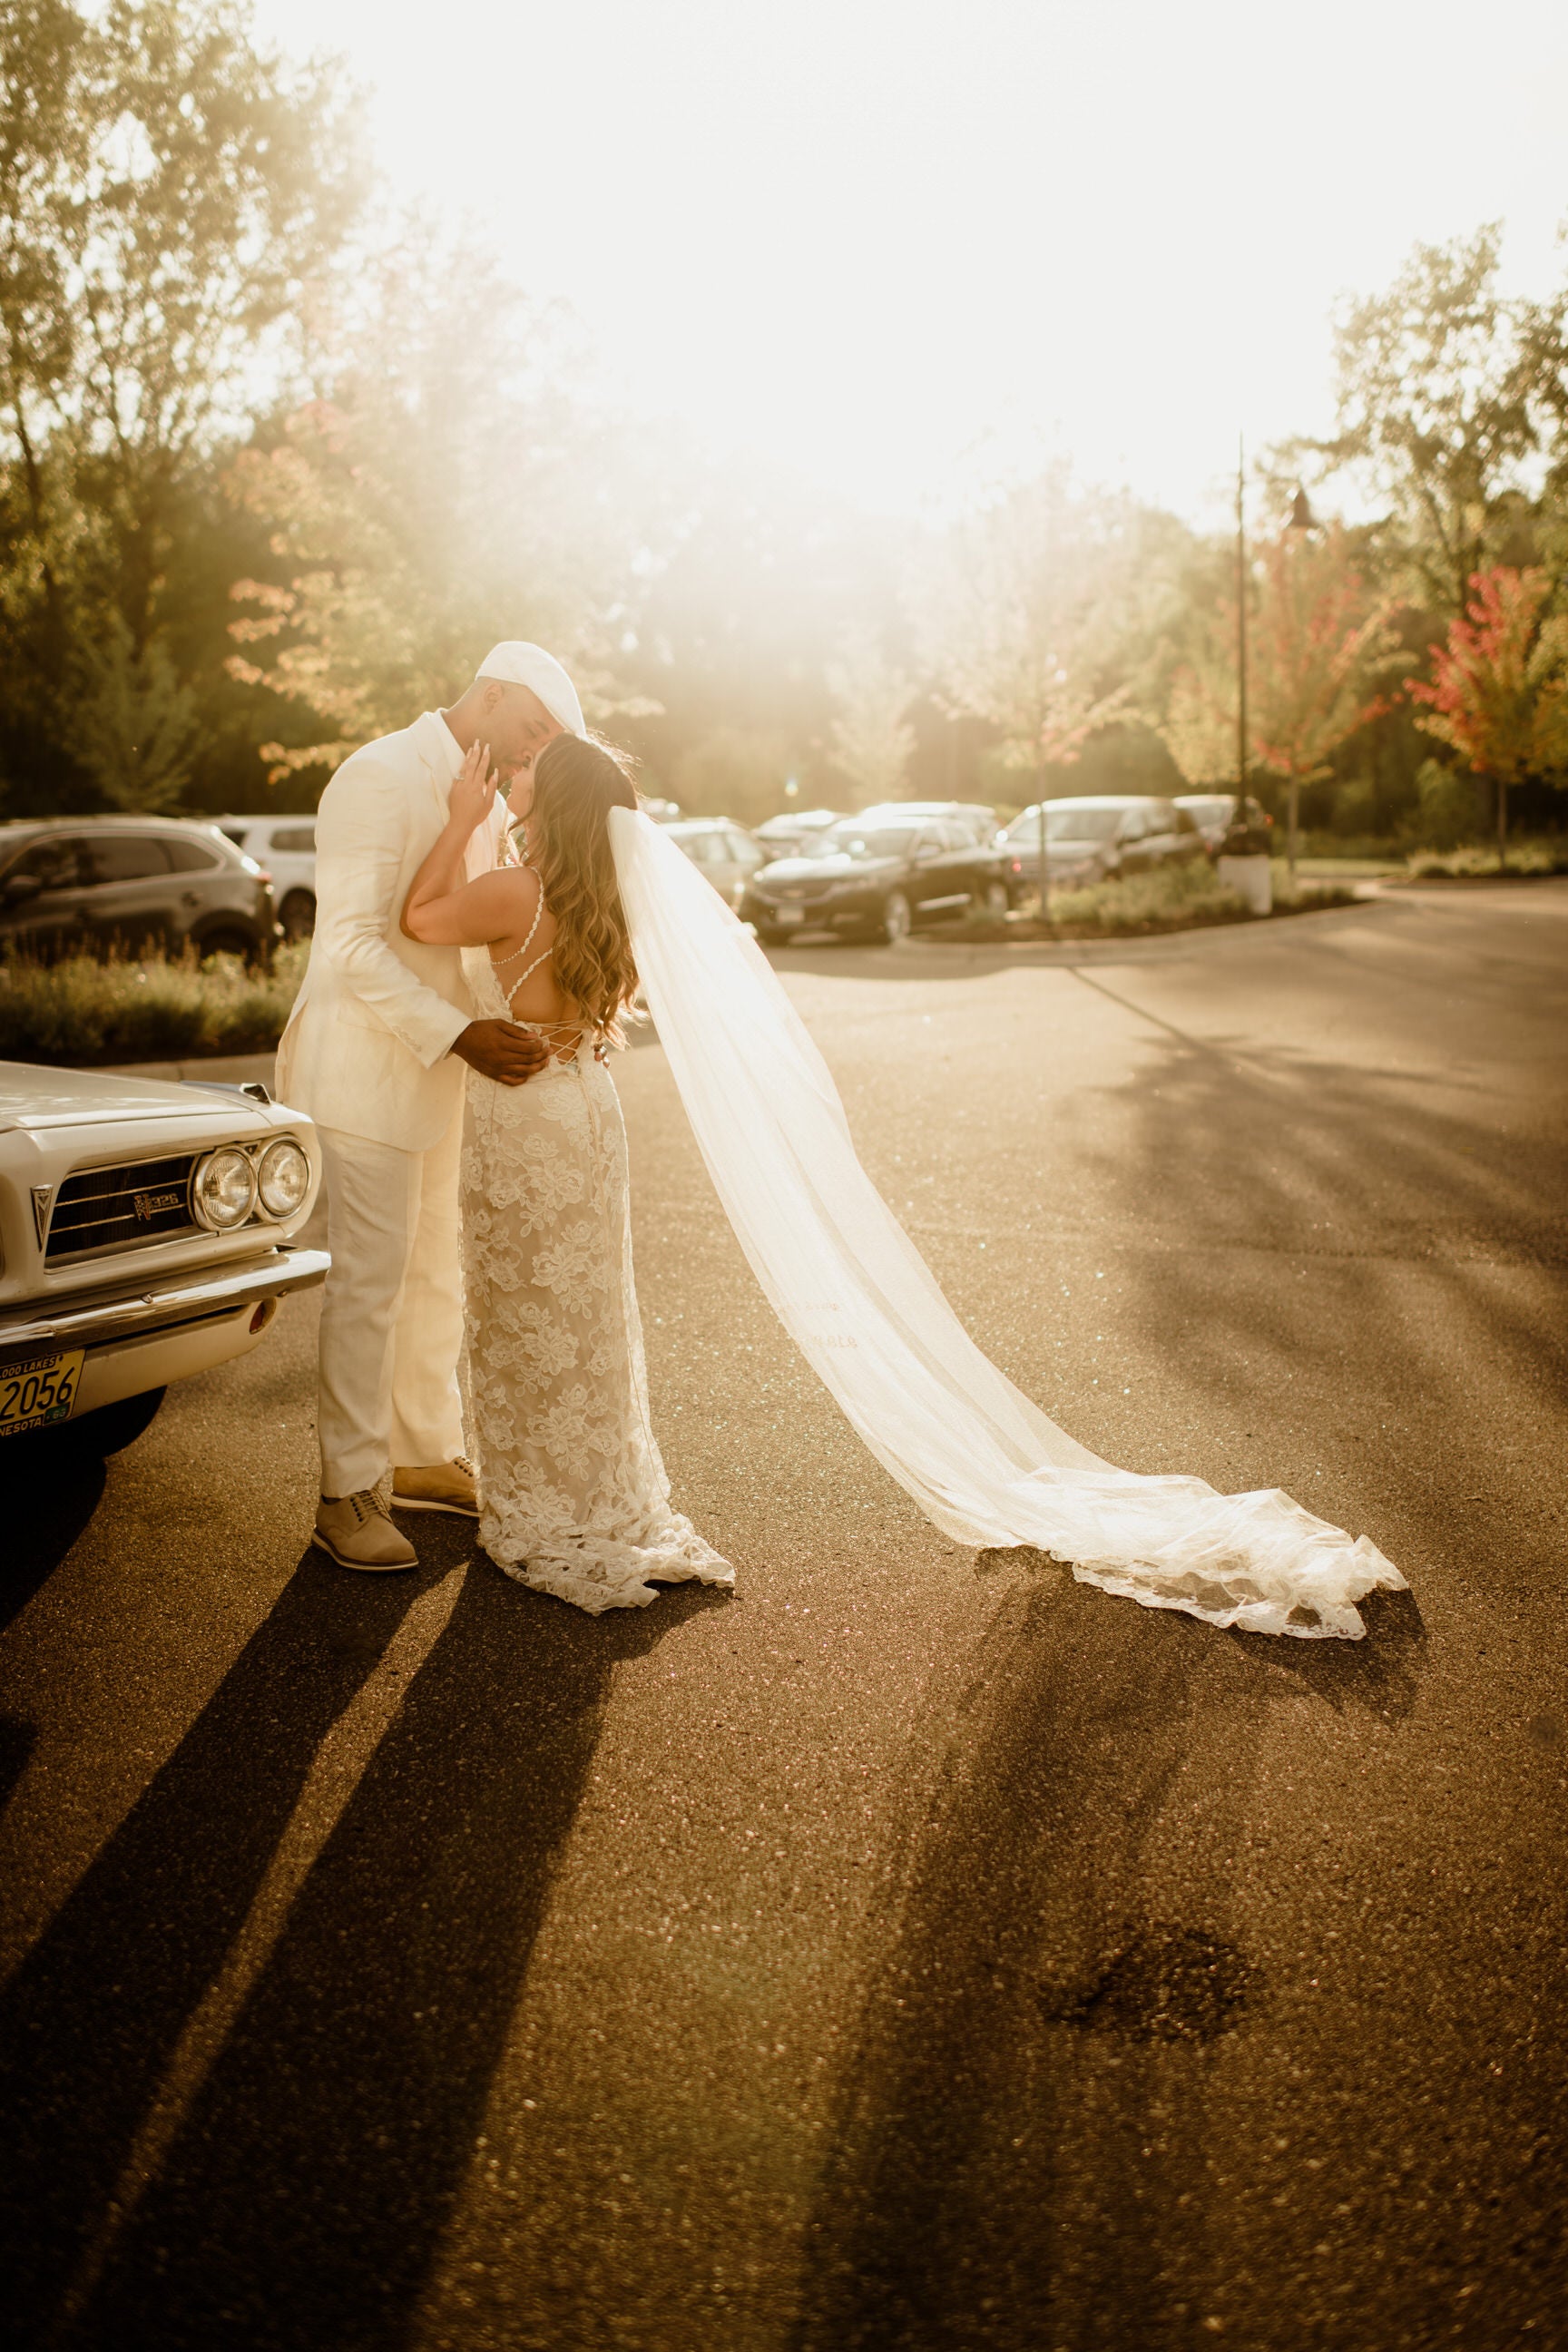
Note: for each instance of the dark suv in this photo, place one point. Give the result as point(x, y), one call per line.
point(874, 878)
point(97, 886)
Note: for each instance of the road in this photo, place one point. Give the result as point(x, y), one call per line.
point(915, 1949)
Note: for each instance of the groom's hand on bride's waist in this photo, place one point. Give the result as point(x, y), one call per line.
point(500, 1050)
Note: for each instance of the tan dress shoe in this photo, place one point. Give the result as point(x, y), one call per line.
point(436, 1486)
point(355, 1531)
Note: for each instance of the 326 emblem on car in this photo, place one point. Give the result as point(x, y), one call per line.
point(152, 1204)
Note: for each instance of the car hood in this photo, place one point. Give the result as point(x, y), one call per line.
point(826, 869)
point(32, 1096)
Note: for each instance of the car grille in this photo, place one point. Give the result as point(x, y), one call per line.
point(105, 1208)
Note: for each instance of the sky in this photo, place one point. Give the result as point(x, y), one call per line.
point(905, 248)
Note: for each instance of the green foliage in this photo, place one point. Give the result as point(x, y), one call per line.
point(150, 1010)
point(1447, 392)
point(169, 197)
point(130, 720)
point(1449, 807)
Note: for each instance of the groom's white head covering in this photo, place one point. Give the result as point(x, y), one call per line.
point(518, 663)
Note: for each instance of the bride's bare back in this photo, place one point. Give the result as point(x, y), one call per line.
point(521, 963)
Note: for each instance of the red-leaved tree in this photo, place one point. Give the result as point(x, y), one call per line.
point(1321, 645)
point(1498, 690)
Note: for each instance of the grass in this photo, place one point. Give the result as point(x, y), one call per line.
point(1171, 899)
point(143, 1010)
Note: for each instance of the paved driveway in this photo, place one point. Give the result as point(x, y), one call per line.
point(915, 1949)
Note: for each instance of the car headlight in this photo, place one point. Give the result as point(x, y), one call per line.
point(283, 1178)
point(222, 1189)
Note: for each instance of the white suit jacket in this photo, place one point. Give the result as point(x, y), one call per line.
point(368, 1045)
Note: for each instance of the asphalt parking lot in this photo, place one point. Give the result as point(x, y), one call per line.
point(914, 1949)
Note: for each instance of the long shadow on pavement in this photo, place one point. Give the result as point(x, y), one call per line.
point(1037, 2049)
point(305, 2189)
point(48, 1493)
point(1113, 2078)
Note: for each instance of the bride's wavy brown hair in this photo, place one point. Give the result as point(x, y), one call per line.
point(577, 781)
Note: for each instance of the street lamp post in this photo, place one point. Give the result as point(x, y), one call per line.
point(1300, 519)
point(1045, 869)
point(1241, 760)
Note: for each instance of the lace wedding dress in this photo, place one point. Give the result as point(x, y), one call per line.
point(573, 1498)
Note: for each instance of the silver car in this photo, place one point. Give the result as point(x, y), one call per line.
point(722, 850)
point(1100, 837)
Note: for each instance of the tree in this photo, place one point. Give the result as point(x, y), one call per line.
point(130, 721)
point(1018, 618)
point(1319, 642)
point(456, 486)
point(871, 740)
point(1199, 725)
point(1498, 692)
point(170, 196)
point(1446, 392)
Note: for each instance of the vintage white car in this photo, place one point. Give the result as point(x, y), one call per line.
point(147, 1231)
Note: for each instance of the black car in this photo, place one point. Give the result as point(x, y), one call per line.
point(101, 886)
point(1099, 837)
point(871, 877)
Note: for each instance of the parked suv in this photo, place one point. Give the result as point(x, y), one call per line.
point(94, 884)
point(1100, 837)
point(870, 878)
point(286, 845)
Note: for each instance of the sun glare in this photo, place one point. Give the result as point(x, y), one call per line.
point(890, 245)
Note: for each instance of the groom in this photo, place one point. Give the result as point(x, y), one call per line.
point(375, 1053)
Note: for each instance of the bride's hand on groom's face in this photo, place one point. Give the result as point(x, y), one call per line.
point(474, 794)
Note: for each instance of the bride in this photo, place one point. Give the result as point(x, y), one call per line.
point(573, 1494)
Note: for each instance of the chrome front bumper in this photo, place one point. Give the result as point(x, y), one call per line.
point(192, 1298)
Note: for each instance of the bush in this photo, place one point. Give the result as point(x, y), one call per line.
point(1176, 898)
point(1474, 864)
point(1171, 899)
point(145, 1010)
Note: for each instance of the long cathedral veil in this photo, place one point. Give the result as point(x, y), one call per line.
point(848, 1284)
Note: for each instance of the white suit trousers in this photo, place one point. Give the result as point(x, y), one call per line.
point(392, 1315)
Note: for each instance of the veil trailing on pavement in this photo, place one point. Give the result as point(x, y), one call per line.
point(852, 1291)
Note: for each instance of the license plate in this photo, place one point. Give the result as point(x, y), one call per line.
point(36, 1390)
point(790, 914)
